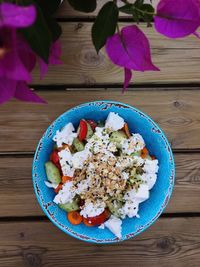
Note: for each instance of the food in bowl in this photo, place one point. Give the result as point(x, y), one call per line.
point(101, 172)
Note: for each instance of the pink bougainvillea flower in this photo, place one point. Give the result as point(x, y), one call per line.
point(11, 65)
point(177, 18)
point(54, 59)
point(24, 93)
point(18, 89)
point(131, 50)
point(16, 58)
point(127, 78)
point(15, 16)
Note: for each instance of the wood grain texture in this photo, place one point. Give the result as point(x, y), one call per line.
point(178, 60)
point(177, 112)
point(17, 196)
point(66, 11)
point(168, 243)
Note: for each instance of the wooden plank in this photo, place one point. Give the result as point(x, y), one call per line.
point(177, 112)
point(169, 242)
point(17, 196)
point(178, 60)
point(67, 12)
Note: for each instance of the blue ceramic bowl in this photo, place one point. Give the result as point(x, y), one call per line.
point(155, 141)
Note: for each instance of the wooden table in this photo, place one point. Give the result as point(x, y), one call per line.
point(171, 97)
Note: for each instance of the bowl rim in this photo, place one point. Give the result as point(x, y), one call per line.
point(170, 188)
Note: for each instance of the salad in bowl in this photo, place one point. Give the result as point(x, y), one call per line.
point(100, 172)
point(103, 172)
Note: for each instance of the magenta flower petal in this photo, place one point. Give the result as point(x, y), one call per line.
point(130, 50)
point(197, 35)
point(23, 93)
point(7, 89)
point(177, 18)
point(11, 65)
point(127, 78)
point(54, 59)
point(15, 16)
point(26, 54)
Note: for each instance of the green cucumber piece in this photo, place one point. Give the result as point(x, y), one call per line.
point(137, 154)
point(117, 137)
point(79, 146)
point(89, 131)
point(148, 157)
point(70, 206)
point(114, 207)
point(53, 173)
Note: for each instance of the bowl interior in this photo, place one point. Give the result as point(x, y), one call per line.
point(156, 143)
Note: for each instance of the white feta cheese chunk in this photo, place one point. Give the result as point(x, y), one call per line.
point(138, 161)
point(83, 185)
point(79, 158)
point(50, 185)
point(66, 135)
point(133, 144)
point(140, 195)
point(91, 210)
point(124, 162)
point(114, 224)
point(150, 172)
point(66, 162)
point(114, 122)
point(151, 166)
point(149, 179)
point(66, 194)
point(101, 133)
point(129, 209)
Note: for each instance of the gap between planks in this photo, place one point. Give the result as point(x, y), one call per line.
point(46, 219)
point(103, 87)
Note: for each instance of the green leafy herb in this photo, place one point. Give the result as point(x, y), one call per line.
point(105, 24)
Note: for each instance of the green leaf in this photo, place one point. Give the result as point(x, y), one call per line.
point(148, 12)
point(54, 28)
point(49, 6)
point(127, 9)
point(139, 11)
point(83, 5)
point(38, 35)
point(138, 3)
point(105, 24)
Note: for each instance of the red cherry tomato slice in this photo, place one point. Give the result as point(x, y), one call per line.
point(55, 159)
point(99, 219)
point(82, 130)
point(92, 123)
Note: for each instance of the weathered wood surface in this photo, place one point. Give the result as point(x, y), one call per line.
point(17, 196)
point(169, 242)
point(177, 112)
point(67, 12)
point(178, 60)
